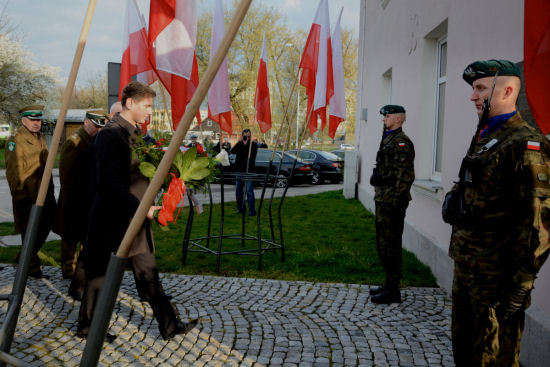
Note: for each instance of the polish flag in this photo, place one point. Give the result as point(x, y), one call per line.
point(261, 99)
point(337, 108)
point(219, 105)
point(135, 61)
point(172, 38)
point(316, 65)
point(536, 54)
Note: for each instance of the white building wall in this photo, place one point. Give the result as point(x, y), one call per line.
point(402, 39)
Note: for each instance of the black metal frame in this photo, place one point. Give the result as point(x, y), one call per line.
point(264, 244)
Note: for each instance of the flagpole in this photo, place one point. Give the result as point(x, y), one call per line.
point(37, 210)
point(115, 269)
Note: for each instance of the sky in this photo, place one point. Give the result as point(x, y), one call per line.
point(50, 29)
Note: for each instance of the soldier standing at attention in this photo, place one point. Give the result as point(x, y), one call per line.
point(392, 179)
point(500, 230)
point(73, 206)
point(26, 155)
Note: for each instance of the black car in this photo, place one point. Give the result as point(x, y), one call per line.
point(302, 171)
point(326, 166)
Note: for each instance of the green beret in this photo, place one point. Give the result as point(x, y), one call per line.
point(483, 69)
point(98, 117)
point(33, 112)
point(391, 108)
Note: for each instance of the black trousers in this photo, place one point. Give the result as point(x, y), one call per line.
point(149, 288)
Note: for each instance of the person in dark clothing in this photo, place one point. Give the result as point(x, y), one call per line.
point(243, 165)
point(113, 206)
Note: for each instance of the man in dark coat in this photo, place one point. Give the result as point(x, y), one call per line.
point(244, 165)
point(73, 205)
point(113, 207)
point(26, 155)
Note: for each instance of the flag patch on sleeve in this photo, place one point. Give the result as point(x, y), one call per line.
point(401, 145)
point(533, 145)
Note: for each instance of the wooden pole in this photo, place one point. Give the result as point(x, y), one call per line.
point(183, 127)
point(47, 175)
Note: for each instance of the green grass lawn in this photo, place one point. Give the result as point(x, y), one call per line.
point(327, 239)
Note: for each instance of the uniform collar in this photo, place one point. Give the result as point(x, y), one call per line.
point(494, 123)
point(29, 136)
point(388, 132)
point(84, 136)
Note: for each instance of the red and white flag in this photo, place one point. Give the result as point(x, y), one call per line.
point(316, 64)
point(219, 104)
point(172, 38)
point(536, 54)
point(261, 98)
point(337, 108)
point(135, 61)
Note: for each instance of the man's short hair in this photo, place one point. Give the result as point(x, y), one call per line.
point(137, 91)
point(246, 131)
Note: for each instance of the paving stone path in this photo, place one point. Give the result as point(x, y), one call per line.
point(243, 322)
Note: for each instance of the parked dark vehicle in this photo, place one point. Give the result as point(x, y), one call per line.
point(302, 172)
point(326, 166)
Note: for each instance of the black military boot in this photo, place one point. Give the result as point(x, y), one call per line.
point(377, 290)
point(389, 295)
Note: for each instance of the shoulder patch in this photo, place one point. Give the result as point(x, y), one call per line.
point(533, 145)
point(11, 146)
point(402, 144)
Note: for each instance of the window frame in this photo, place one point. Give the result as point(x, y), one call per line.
point(439, 81)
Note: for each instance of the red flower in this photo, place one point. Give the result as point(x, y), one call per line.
point(171, 199)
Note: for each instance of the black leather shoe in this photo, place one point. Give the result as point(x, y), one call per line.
point(39, 275)
point(377, 290)
point(387, 296)
point(181, 328)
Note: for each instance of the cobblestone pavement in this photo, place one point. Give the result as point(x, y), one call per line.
point(244, 322)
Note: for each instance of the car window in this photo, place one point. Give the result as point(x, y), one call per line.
point(329, 156)
point(263, 156)
point(308, 156)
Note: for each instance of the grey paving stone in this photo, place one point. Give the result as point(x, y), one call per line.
point(244, 322)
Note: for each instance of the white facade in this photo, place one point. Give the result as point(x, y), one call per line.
point(413, 53)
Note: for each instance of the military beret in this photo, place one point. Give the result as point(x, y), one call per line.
point(97, 116)
point(391, 109)
point(33, 112)
point(483, 69)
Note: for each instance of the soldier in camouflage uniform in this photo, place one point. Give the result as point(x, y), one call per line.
point(501, 241)
point(26, 154)
point(392, 178)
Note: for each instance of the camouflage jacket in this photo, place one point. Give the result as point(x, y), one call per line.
point(395, 166)
point(508, 203)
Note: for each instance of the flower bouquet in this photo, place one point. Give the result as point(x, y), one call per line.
point(189, 170)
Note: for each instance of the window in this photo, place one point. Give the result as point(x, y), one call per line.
point(439, 123)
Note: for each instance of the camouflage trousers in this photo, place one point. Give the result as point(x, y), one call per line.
point(479, 337)
point(390, 219)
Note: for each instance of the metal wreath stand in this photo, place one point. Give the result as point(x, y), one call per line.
point(263, 244)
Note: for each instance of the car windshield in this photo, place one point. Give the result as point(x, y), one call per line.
point(329, 156)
